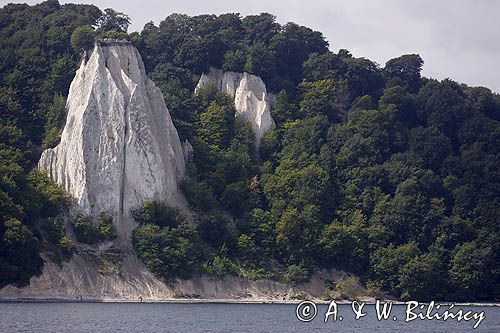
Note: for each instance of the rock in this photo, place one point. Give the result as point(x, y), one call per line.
point(251, 99)
point(188, 150)
point(119, 146)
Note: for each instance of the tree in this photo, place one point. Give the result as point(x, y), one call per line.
point(247, 249)
point(283, 110)
point(296, 274)
point(168, 252)
point(404, 71)
point(363, 77)
point(53, 198)
point(82, 38)
point(55, 117)
point(319, 67)
point(234, 61)
point(214, 229)
point(93, 232)
point(262, 62)
point(429, 144)
point(387, 265)
point(19, 257)
point(444, 105)
point(159, 213)
point(470, 271)
point(319, 99)
point(216, 125)
point(260, 28)
point(112, 20)
point(404, 102)
point(424, 278)
point(297, 234)
point(344, 247)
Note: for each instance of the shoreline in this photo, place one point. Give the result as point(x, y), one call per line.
point(222, 301)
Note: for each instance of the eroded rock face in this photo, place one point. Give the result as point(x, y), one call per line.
point(251, 99)
point(119, 146)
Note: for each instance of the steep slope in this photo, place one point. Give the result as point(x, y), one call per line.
point(251, 99)
point(119, 146)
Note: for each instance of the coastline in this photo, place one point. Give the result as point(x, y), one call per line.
point(222, 301)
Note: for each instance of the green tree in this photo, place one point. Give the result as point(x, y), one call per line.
point(216, 125)
point(159, 213)
point(403, 101)
point(319, 99)
point(470, 271)
point(345, 247)
point(82, 38)
point(296, 274)
point(113, 20)
point(168, 252)
point(53, 198)
point(404, 71)
point(215, 230)
point(424, 278)
point(234, 61)
point(387, 265)
point(19, 257)
point(247, 249)
point(297, 234)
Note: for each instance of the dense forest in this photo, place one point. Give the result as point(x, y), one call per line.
point(372, 170)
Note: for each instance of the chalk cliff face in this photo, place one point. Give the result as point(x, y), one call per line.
point(251, 99)
point(119, 146)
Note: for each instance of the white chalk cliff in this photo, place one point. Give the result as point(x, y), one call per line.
point(119, 146)
point(251, 99)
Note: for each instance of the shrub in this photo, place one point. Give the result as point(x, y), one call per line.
point(349, 288)
point(199, 195)
point(168, 252)
point(93, 233)
point(219, 266)
point(296, 274)
point(159, 213)
point(214, 229)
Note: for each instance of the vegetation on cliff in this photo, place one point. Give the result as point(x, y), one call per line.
point(373, 170)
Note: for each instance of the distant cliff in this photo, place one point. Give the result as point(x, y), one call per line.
point(252, 100)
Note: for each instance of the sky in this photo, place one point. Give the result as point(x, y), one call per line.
point(458, 39)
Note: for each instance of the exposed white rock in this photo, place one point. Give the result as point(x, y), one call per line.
point(119, 146)
point(251, 99)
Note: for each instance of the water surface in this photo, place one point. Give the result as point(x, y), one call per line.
point(168, 317)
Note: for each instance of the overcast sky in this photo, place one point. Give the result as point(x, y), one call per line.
point(459, 39)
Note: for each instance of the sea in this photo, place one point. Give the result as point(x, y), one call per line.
point(223, 317)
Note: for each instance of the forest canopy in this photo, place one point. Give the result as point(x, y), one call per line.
point(374, 170)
